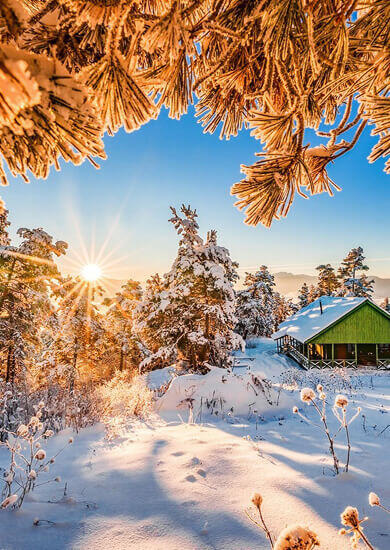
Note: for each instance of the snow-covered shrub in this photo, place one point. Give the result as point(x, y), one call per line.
point(309, 397)
point(352, 525)
point(121, 399)
point(293, 537)
point(28, 460)
point(61, 409)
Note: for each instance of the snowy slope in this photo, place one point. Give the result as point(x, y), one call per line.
point(173, 485)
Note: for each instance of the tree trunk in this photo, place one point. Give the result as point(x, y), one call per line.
point(5, 291)
point(73, 371)
point(10, 376)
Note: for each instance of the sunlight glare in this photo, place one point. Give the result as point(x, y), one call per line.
point(91, 272)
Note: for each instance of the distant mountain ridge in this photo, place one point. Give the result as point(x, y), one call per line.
point(290, 283)
point(286, 283)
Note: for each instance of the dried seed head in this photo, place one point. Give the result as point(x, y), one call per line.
point(40, 454)
point(373, 499)
point(307, 395)
point(350, 517)
point(9, 501)
point(296, 537)
point(257, 500)
point(22, 431)
point(340, 401)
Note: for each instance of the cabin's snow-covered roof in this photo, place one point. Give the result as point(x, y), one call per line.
point(309, 321)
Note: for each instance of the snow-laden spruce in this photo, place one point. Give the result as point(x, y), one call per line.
point(352, 275)
point(259, 308)
point(189, 315)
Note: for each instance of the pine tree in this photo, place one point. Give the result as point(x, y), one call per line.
point(189, 315)
point(313, 293)
point(353, 284)
point(74, 69)
point(284, 307)
point(79, 343)
point(119, 321)
point(256, 305)
point(26, 292)
point(327, 280)
point(303, 296)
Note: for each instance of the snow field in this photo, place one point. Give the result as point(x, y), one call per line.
point(176, 485)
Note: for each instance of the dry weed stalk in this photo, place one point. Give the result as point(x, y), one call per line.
point(309, 396)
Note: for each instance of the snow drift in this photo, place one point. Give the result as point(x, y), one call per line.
point(222, 392)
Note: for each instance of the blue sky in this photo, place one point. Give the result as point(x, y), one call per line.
point(168, 162)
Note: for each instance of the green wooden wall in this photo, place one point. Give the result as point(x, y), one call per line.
point(364, 325)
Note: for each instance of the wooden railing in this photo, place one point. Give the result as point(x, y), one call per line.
point(299, 357)
point(384, 364)
point(322, 363)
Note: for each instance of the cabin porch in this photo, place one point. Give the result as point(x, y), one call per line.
point(354, 355)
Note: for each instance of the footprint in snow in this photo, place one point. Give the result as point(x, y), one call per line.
point(201, 472)
point(189, 503)
point(190, 478)
point(177, 453)
point(195, 461)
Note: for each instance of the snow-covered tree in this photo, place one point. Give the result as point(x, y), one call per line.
point(119, 320)
point(353, 279)
point(303, 296)
point(79, 343)
point(313, 293)
point(256, 305)
point(72, 69)
point(189, 315)
point(284, 307)
point(26, 286)
point(328, 282)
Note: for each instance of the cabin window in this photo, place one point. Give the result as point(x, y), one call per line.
point(384, 351)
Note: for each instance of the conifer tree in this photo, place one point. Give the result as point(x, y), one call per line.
point(119, 321)
point(353, 279)
point(303, 296)
point(188, 316)
point(313, 293)
point(74, 69)
point(79, 343)
point(327, 280)
point(29, 271)
point(284, 307)
point(256, 305)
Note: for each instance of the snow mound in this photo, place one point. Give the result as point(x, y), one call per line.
point(159, 378)
point(222, 392)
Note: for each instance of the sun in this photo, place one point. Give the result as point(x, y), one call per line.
point(91, 272)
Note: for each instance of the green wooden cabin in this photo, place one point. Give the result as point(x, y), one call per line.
point(337, 332)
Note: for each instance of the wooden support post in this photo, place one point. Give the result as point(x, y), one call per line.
point(332, 355)
point(377, 354)
point(356, 355)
